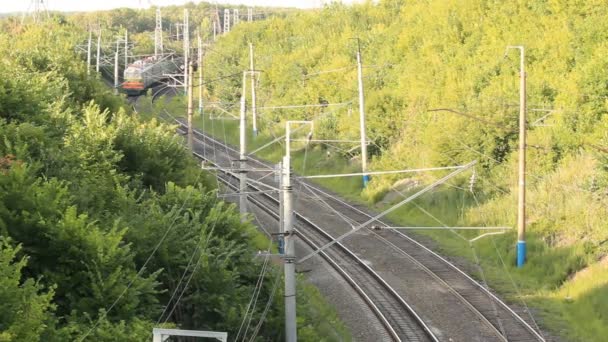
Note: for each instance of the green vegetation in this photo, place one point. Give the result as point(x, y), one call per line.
point(423, 55)
point(103, 211)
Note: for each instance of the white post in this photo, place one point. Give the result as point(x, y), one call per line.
point(521, 195)
point(200, 73)
point(158, 34)
point(289, 266)
point(89, 53)
point(98, 50)
point(116, 83)
point(243, 155)
point(226, 20)
point(288, 234)
point(126, 49)
point(189, 94)
point(186, 35)
point(253, 100)
point(235, 16)
point(362, 117)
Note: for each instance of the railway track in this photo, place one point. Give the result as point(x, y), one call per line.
point(497, 320)
point(507, 322)
point(396, 316)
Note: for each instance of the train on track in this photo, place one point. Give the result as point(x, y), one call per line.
point(143, 73)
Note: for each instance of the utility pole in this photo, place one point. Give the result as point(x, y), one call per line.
point(158, 34)
point(235, 16)
point(200, 73)
point(362, 115)
point(288, 233)
point(186, 34)
point(253, 100)
point(243, 155)
point(116, 83)
point(289, 262)
point(89, 53)
point(126, 49)
point(190, 109)
point(521, 195)
point(250, 14)
point(98, 50)
point(226, 20)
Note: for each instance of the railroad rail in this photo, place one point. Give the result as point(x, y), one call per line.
point(397, 317)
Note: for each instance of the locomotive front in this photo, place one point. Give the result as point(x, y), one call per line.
point(134, 81)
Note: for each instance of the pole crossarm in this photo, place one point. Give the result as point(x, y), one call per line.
point(484, 235)
point(159, 334)
point(248, 193)
point(453, 228)
point(328, 141)
point(236, 169)
point(385, 172)
point(391, 209)
point(307, 106)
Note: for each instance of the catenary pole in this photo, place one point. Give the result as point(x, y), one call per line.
point(243, 154)
point(89, 53)
point(521, 194)
point(200, 73)
point(186, 35)
point(98, 50)
point(288, 244)
point(190, 109)
point(116, 83)
point(126, 49)
point(362, 115)
point(253, 100)
point(289, 262)
point(288, 234)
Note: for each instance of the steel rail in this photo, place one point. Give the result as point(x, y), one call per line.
point(369, 301)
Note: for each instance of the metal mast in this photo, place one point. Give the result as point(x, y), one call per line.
point(243, 154)
point(200, 73)
point(116, 81)
point(521, 195)
point(362, 115)
point(235, 16)
point(126, 49)
point(226, 20)
point(186, 35)
point(36, 7)
point(98, 50)
point(189, 70)
point(253, 100)
point(158, 34)
point(89, 52)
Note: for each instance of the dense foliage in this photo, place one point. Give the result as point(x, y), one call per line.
point(102, 213)
point(425, 55)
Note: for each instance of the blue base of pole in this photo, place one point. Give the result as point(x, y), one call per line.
point(365, 180)
point(281, 248)
point(521, 253)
